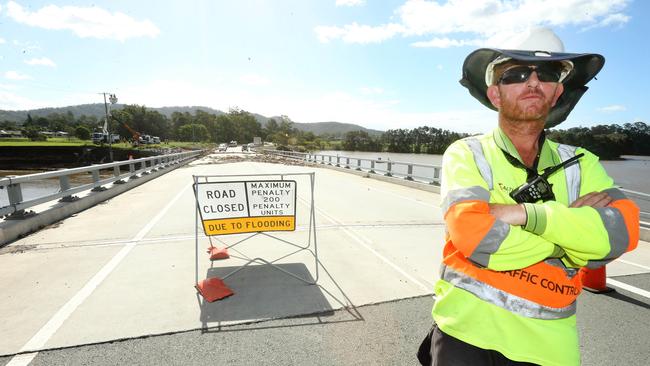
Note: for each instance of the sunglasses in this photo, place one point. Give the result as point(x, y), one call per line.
point(519, 74)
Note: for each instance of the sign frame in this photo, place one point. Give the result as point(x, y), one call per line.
point(311, 239)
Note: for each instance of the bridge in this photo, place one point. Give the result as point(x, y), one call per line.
point(114, 283)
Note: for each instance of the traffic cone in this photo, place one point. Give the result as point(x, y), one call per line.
point(595, 280)
point(213, 289)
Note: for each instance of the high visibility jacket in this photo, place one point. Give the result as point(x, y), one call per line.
point(513, 289)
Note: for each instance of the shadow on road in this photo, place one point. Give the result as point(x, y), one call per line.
point(264, 293)
point(619, 296)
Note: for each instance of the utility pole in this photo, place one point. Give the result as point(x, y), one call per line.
point(107, 126)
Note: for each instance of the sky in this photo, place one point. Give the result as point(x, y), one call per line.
point(379, 64)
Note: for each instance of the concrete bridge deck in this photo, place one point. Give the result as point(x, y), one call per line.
point(114, 284)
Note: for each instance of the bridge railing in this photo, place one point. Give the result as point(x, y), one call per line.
point(409, 171)
point(420, 172)
point(101, 174)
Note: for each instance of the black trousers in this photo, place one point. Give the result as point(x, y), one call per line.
point(440, 349)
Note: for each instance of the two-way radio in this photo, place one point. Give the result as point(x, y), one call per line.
point(538, 188)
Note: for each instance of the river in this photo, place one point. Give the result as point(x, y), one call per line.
point(31, 190)
point(633, 173)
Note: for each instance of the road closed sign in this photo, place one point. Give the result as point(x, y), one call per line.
point(246, 207)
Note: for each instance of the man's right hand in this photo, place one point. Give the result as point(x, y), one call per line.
point(593, 199)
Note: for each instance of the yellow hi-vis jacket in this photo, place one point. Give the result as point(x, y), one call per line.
point(513, 289)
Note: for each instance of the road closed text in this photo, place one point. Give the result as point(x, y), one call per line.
point(250, 206)
point(229, 207)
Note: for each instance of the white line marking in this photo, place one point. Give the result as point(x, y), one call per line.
point(633, 264)
point(364, 242)
point(627, 287)
point(635, 192)
point(48, 330)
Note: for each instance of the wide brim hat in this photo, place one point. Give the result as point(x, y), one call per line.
point(585, 68)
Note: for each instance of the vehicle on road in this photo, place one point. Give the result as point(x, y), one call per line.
point(233, 143)
point(102, 138)
point(222, 147)
point(148, 139)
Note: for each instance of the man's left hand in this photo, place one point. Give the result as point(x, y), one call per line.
point(510, 214)
point(593, 199)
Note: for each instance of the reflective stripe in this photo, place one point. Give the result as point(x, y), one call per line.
point(616, 194)
point(556, 262)
point(505, 300)
point(572, 172)
point(617, 232)
point(474, 193)
point(490, 243)
point(598, 264)
point(481, 162)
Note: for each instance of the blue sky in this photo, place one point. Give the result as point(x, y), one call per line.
point(379, 64)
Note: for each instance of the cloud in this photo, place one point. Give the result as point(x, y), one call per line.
point(43, 61)
point(350, 2)
point(2, 40)
point(355, 33)
point(14, 75)
point(254, 80)
point(85, 22)
point(13, 102)
point(487, 22)
point(617, 19)
point(447, 42)
point(613, 108)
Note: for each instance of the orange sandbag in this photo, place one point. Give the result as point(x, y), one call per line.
point(213, 289)
point(216, 253)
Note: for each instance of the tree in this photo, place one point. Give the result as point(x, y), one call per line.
point(82, 132)
point(34, 134)
point(8, 125)
point(193, 132)
point(180, 119)
point(360, 141)
point(270, 128)
point(224, 130)
point(246, 126)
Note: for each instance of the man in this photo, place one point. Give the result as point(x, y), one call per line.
point(509, 277)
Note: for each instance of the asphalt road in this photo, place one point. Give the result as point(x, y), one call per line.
point(614, 330)
point(130, 277)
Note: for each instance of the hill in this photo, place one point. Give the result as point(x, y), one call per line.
point(97, 110)
point(333, 128)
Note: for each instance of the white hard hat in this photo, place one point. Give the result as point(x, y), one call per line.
point(535, 45)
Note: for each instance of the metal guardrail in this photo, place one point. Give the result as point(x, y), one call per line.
point(421, 172)
point(409, 171)
point(17, 206)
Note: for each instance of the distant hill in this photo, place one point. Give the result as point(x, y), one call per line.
point(97, 110)
point(167, 111)
point(336, 128)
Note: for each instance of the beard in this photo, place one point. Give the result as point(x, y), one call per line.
point(521, 109)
